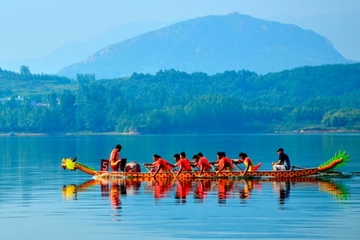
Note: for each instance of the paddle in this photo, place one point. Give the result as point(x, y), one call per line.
point(149, 170)
point(173, 173)
point(236, 165)
point(212, 167)
point(293, 166)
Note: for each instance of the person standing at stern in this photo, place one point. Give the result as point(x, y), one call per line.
point(115, 158)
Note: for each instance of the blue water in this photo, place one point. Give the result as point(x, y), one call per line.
point(39, 200)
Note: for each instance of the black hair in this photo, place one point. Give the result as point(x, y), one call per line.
point(200, 154)
point(176, 155)
point(118, 146)
point(243, 155)
point(183, 154)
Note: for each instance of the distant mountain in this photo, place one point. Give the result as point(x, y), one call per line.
point(345, 39)
point(78, 51)
point(212, 44)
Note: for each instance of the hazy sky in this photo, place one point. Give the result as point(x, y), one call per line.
point(35, 28)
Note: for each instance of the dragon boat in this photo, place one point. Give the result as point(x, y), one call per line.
point(338, 160)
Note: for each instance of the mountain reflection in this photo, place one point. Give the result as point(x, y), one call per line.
point(201, 189)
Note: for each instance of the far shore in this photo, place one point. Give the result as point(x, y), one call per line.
point(68, 133)
point(303, 131)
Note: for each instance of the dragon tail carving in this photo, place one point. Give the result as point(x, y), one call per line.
point(338, 160)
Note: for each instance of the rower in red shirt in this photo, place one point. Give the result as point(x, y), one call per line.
point(184, 164)
point(224, 162)
point(159, 164)
point(201, 162)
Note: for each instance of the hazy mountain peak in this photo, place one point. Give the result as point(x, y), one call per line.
point(212, 44)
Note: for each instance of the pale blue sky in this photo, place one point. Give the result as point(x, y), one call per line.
point(36, 28)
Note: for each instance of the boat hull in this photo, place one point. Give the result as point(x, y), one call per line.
point(193, 175)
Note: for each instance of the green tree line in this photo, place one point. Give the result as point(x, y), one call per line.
point(170, 101)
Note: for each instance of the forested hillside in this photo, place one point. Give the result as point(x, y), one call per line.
point(26, 84)
point(325, 97)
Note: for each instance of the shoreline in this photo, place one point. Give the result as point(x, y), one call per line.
point(67, 133)
point(302, 131)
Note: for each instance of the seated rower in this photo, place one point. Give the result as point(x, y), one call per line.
point(183, 163)
point(215, 165)
point(223, 162)
point(201, 162)
point(249, 164)
point(283, 162)
point(158, 165)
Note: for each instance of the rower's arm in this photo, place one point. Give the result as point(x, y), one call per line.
point(235, 161)
point(178, 172)
point(201, 170)
point(113, 164)
point(277, 163)
point(220, 169)
point(246, 170)
point(172, 165)
point(156, 172)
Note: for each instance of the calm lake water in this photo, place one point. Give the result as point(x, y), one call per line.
point(39, 200)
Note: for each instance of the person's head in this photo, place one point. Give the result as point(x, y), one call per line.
point(118, 147)
point(219, 155)
point(196, 158)
point(176, 157)
point(223, 154)
point(156, 157)
point(200, 154)
point(280, 150)
point(183, 155)
point(242, 155)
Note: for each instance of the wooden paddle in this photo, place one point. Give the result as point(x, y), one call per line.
point(292, 167)
point(238, 167)
point(149, 170)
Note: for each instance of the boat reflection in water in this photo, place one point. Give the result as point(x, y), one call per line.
point(248, 187)
point(202, 189)
point(109, 189)
point(283, 189)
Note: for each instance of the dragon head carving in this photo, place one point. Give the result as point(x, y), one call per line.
point(69, 163)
